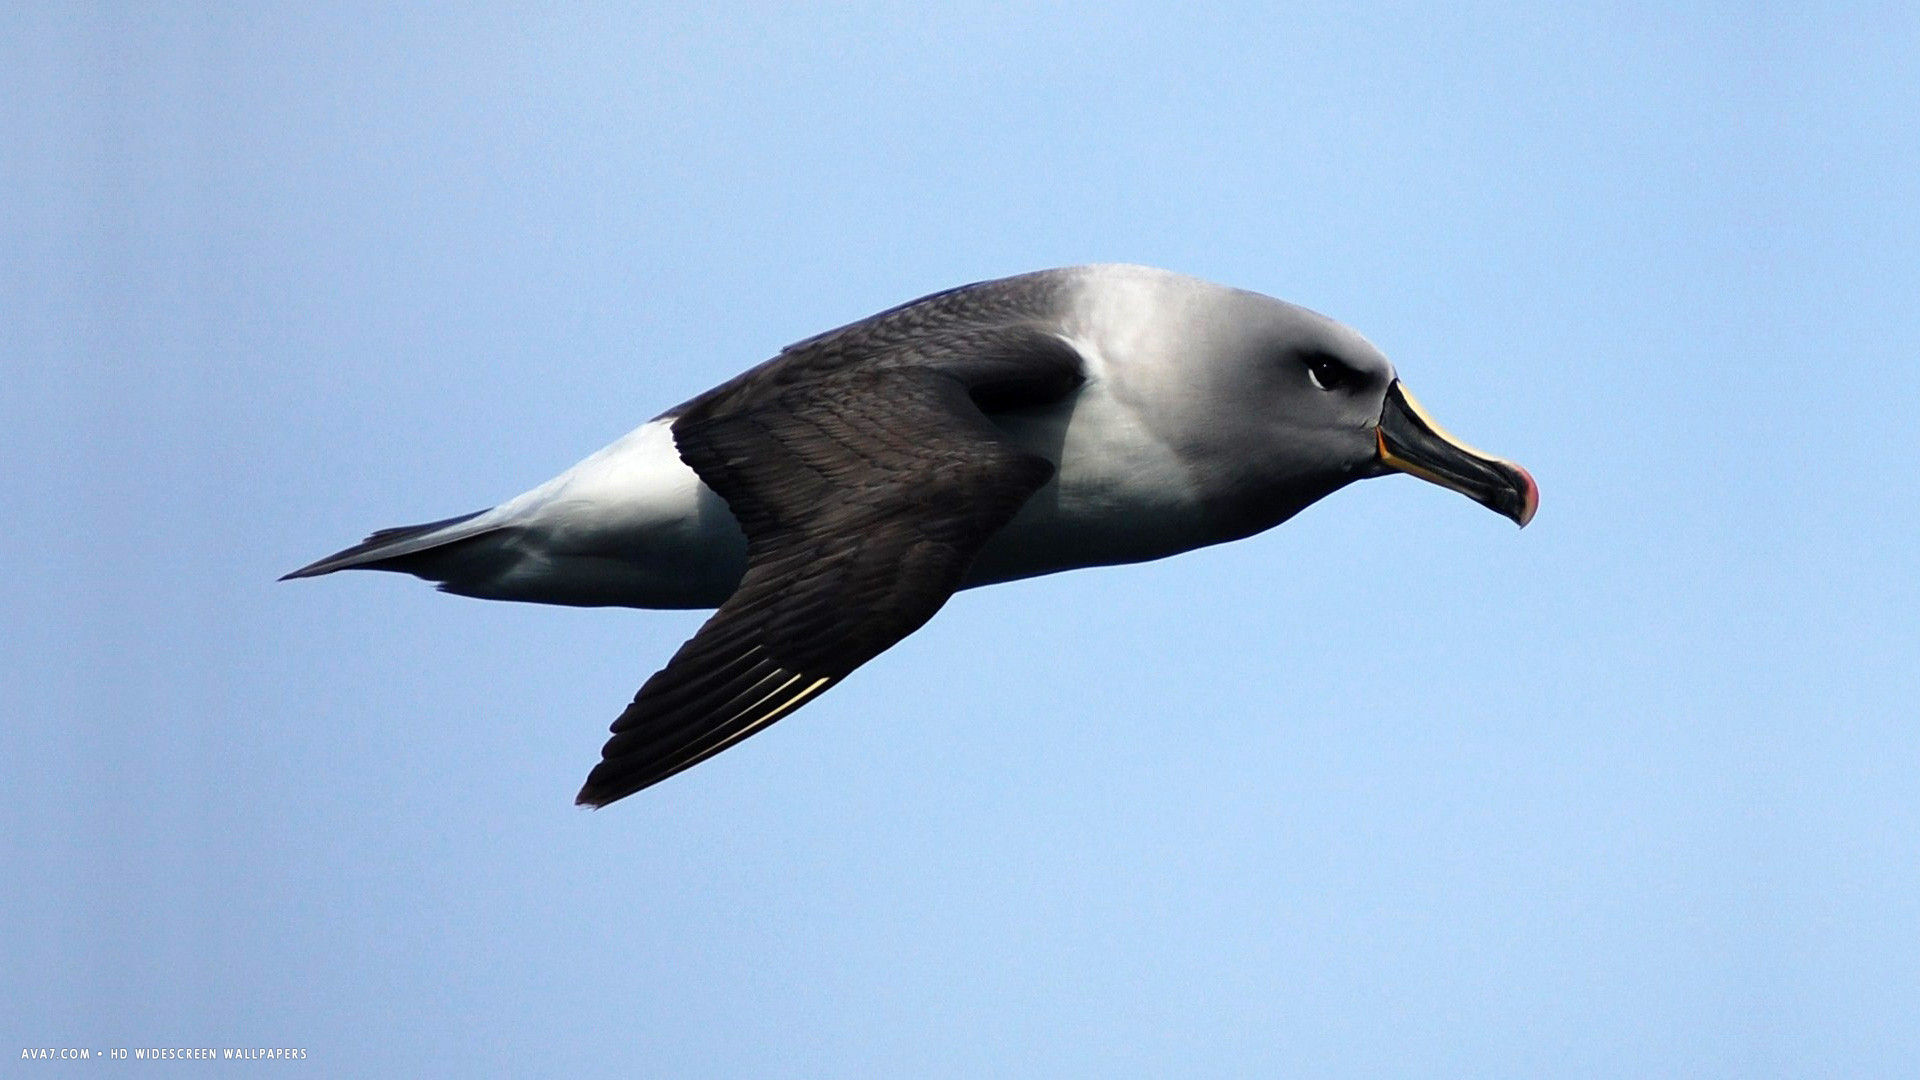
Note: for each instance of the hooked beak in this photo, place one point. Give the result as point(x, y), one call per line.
point(1412, 443)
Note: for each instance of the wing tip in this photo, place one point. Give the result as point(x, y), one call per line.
point(595, 799)
point(621, 775)
point(604, 788)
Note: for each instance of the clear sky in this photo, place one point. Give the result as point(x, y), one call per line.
point(1393, 790)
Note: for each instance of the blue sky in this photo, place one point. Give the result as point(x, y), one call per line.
point(1390, 791)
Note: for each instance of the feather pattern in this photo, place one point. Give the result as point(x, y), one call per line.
point(866, 477)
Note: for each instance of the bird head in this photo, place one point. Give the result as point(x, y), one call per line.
point(1333, 410)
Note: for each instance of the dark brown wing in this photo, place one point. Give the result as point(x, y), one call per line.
point(866, 478)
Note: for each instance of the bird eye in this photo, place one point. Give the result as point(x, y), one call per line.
point(1327, 373)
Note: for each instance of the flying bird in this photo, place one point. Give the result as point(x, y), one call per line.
point(830, 500)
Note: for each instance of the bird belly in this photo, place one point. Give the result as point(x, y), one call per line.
point(634, 526)
point(631, 526)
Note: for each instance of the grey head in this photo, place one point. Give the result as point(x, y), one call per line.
point(1271, 407)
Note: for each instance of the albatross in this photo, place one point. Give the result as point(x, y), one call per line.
point(830, 500)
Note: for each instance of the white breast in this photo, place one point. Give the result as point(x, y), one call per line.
point(1122, 493)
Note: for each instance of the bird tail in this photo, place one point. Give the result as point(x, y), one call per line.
point(410, 548)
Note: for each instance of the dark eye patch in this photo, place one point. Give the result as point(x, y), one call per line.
point(1328, 373)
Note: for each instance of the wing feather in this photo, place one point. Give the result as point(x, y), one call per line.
point(866, 477)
